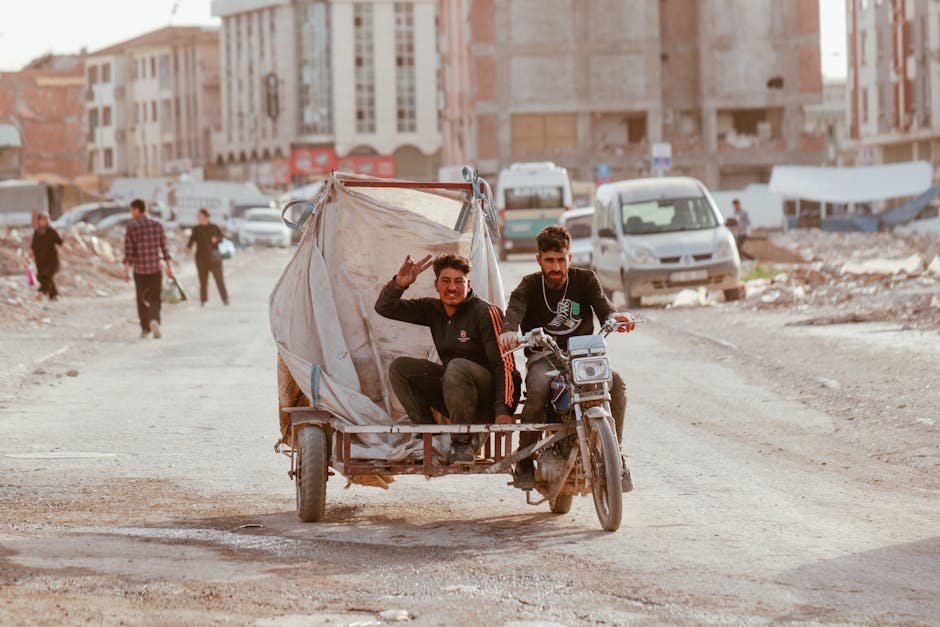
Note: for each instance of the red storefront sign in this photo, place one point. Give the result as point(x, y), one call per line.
point(307, 161)
point(381, 166)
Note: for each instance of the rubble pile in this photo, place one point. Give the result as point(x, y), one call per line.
point(90, 267)
point(851, 277)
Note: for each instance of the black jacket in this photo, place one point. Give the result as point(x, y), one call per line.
point(44, 249)
point(561, 313)
point(201, 236)
point(471, 334)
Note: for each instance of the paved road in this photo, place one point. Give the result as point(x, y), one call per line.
point(146, 489)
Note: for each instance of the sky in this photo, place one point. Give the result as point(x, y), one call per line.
point(36, 27)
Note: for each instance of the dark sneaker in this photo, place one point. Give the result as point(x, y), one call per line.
point(626, 481)
point(155, 329)
point(463, 453)
point(523, 475)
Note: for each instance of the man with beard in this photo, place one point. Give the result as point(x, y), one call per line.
point(562, 301)
point(474, 382)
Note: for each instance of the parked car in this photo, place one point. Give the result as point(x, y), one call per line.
point(236, 215)
point(90, 213)
point(263, 226)
point(579, 223)
point(120, 221)
point(661, 235)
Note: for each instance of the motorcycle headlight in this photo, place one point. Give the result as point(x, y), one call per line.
point(726, 248)
point(590, 369)
point(643, 256)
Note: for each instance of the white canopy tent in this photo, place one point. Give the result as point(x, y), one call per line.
point(851, 185)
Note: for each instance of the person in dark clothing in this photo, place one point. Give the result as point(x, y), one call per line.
point(206, 236)
point(44, 251)
point(562, 301)
point(474, 382)
point(144, 246)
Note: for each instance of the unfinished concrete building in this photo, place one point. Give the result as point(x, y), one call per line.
point(590, 84)
point(894, 81)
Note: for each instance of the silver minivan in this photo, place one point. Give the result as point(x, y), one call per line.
point(661, 235)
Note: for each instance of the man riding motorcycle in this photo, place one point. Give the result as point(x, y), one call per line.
point(475, 382)
point(563, 301)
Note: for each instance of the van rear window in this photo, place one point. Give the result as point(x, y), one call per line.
point(533, 198)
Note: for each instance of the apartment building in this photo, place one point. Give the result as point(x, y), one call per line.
point(43, 104)
point(152, 103)
point(309, 86)
point(893, 96)
point(591, 84)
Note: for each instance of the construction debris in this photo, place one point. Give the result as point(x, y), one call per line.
point(851, 277)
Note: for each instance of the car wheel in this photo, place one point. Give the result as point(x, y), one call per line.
point(633, 302)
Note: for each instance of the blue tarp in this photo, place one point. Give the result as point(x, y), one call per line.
point(909, 210)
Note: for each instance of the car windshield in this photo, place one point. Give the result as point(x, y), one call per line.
point(667, 214)
point(263, 217)
point(533, 198)
point(579, 227)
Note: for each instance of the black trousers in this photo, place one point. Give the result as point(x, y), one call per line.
point(148, 297)
point(47, 285)
point(462, 391)
point(204, 267)
point(538, 389)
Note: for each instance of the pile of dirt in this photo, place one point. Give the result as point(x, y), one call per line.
point(851, 277)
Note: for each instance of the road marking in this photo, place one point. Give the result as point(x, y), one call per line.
point(61, 455)
point(53, 354)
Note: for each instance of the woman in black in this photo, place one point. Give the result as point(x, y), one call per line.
point(43, 246)
point(206, 236)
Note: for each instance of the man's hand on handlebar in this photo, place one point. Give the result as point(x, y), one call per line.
point(625, 317)
point(410, 270)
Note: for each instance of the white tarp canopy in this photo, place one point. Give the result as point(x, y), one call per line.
point(322, 307)
point(849, 185)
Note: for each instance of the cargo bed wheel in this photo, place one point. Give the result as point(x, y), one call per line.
point(313, 460)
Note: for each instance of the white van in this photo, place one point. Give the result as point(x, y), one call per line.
point(661, 235)
point(529, 197)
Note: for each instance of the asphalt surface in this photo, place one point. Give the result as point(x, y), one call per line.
point(144, 487)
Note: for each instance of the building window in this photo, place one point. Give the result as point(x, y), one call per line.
point(316, 96)
point(164, 71)
point(92, 74)
point(406, 104)
point(91, 160)
point(106, 116)
point(153, 111)
point(106, 73)
point(92, 124)
point(863, 48)
point(864, 100)
point(108, 159)
point(364, 68)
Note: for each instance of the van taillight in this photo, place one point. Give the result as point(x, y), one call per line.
point(567, 207)
point(501, 214)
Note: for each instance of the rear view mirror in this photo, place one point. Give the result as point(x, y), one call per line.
point(606, 233)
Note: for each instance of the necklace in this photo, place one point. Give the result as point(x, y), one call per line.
point(545, 296)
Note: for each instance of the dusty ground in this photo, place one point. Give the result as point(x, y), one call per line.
point(784, 474)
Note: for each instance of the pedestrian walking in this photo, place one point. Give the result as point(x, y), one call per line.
point(206, 237)
point(44, 251)
point(144, 247)
point(743, 229)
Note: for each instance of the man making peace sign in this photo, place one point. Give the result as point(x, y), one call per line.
point(474, 383)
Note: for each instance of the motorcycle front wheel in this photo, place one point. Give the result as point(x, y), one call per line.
point(605, 464)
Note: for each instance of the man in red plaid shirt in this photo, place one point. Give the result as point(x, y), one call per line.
point(144, 247)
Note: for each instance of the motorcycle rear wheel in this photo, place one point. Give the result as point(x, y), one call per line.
point(605, 462)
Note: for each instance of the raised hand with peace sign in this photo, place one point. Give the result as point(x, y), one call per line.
point(410, 270)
